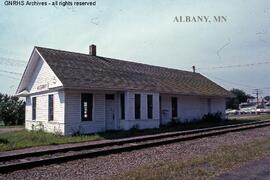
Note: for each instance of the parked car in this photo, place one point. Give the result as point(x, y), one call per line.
point(231, 112)
point(247, 108)
point(263, 110)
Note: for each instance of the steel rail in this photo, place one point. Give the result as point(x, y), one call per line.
point(118, 142)
point(122, 145)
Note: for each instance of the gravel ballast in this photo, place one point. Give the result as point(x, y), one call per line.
point(106, 166)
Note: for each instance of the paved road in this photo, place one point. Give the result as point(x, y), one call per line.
point(259, 169)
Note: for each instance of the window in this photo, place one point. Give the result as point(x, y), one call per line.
point(137, 106)
point(50, 107)
point(122, 104)
point(86, 107)
point(150, 106)
point(34, 107)
point(174, 107)
point(109, 96)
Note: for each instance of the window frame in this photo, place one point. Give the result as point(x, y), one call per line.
point(150, 106)
point(88, 98)
point(50, 107)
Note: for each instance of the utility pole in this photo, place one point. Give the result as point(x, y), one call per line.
point(257, 92)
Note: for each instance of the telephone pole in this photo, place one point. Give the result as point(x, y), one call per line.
point(257, 92)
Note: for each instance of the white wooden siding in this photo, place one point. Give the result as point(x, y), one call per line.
point(190, 107)
point(117, 110)
point(67, 111)
point(73, 114)
point(43, 78)
point(218, 105)
point(166, 109)
point(143, 122)
point(129, 103)
point(41, 122)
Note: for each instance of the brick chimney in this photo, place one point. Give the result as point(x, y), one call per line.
point(92, 50)
point(194, 69)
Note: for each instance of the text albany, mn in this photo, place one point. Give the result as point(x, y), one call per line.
point(201, 19)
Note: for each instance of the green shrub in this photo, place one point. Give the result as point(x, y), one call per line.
point(216, 117)
point(135, 127)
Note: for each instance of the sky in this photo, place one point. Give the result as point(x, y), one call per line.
point(234, 54)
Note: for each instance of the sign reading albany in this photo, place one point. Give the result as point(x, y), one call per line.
point(200, 19)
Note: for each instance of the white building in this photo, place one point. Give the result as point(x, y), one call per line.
point(69, 92)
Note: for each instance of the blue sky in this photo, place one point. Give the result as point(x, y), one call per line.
point(144, 31)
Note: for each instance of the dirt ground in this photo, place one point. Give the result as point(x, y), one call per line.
point(10, 129)
point(254, 170)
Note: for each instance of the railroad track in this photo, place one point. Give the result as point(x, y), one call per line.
point(14, 162)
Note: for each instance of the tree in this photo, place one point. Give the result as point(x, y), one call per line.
point(240, 97)
point(12, 110)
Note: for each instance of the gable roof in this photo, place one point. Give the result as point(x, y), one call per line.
point(83, 71)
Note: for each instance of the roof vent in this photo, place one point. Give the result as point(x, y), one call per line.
point(92, 50)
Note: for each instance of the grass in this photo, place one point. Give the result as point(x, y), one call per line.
point(252, 117)
point(177, 127)
point(223, 159)
point(25, 139)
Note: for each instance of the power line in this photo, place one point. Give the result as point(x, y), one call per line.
point(12, 60)
point(237, 65)
point(230, 82)
point(238, 84)
point(4, 75)
point(10, 72)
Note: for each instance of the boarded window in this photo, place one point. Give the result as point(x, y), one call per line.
point(150, 106)
point(86, 107)
point(50, 107)
point(137, 106)
point(174, 107)
point(34, 108)
point(122, 104)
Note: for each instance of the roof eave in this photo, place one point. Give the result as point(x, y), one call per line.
point(138, 90)
point(17, 91)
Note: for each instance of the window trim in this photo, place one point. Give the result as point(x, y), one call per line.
point(34, 108)
point(50, 107)
point(137, 106)
point(90, 115)
point(150, 106)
